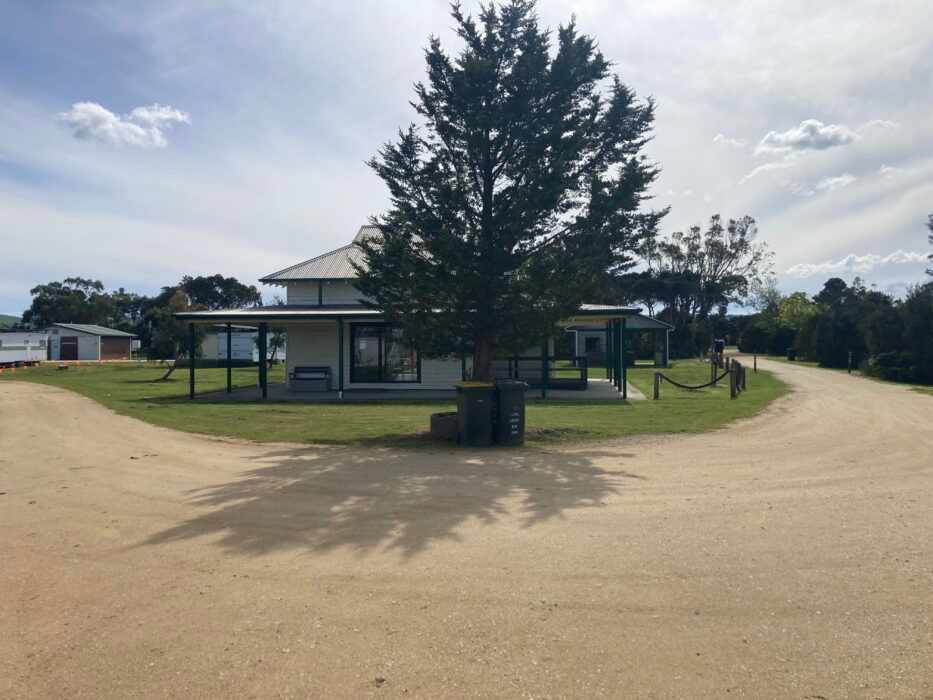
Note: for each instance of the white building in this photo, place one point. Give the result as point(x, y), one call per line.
point(18, 347)
point(346, 345)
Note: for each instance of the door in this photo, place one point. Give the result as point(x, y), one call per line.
point(69, 348)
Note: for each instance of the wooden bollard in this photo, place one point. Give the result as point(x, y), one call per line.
point(744, 382)
point(733, 390)
point(755, 365)
point(712, 369)
point(657, 386)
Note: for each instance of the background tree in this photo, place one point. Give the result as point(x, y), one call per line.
point(73, 300)
point(693, 274)
point(219, 292)
point(523, 184)
point(796, 309)
point(277, 335)
point(169, 336)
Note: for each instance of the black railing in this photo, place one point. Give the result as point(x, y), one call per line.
point(562, 372)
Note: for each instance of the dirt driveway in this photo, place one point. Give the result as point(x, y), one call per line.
point(788, 556)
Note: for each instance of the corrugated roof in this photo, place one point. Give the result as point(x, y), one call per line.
point(335, 265)
point(92, 329)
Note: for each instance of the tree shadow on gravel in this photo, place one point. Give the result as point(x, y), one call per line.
point(320, 499)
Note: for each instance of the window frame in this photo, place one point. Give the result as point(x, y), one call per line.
point(383, 329)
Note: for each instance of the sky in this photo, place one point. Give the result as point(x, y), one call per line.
point(140, 142)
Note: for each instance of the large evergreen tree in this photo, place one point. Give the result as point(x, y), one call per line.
point(522, 185)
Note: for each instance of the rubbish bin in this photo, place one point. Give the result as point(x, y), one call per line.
point(475, 402)
point(791, 354)
point(510, 412)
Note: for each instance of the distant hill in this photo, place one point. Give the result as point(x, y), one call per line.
point(6, 321)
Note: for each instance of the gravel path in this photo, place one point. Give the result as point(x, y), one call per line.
point(788, 556)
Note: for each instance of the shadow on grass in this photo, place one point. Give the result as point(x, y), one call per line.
point(322, 499)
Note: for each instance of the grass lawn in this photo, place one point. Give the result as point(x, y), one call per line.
point(128, 389)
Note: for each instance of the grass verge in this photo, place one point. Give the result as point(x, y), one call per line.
point(129, 389)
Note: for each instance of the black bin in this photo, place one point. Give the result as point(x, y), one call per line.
point(791, 354)
point(510, 412)
point(475, 403)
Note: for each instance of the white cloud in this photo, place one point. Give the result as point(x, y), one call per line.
point(888, 171)
point(829, 184)
point(853, 263)
point(880, 124)
point(776, 165)
point(143, 127)
point(728, 141)
point(688, 193)
point(810, 135)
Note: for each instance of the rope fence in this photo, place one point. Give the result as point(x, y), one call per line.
point(733, 369)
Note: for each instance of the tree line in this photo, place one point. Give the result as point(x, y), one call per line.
point(151, 318)
point(849, 323)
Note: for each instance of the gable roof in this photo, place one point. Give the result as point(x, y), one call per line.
point(92, 329)
point(335, 265)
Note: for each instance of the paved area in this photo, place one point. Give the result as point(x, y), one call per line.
point(788, 556)
point(596, 390)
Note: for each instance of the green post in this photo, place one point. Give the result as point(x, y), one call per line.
point(263, 364)
point(545, 369)
point(617, 354)
point(339, 357)
point(229, 358)
point(609, 351)
point(191, 352)
point(622, 346)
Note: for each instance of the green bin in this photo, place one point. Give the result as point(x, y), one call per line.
point(475, 404)
point(510, 412)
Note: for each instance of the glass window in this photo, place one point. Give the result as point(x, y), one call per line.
point(400, 360)
point(380, 353)
point(592, 344)
point(365, 363)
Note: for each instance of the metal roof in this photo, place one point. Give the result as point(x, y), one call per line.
point(262, 314)
point(588, 313)
point(335, 265)
point(92, 329)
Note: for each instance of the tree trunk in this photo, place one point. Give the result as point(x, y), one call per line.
point(171, 369)
point(482, 361)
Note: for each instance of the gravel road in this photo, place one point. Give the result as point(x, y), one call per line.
point(786, 556)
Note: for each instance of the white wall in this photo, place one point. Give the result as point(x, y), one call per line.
point(336, 292)
point(88, 346)
point(22, 347)
point(315, 345)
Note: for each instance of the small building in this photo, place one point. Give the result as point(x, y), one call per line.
point(17, 347)
point(85, 341)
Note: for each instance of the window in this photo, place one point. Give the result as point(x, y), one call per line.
point(379, 353)
point(591, 344)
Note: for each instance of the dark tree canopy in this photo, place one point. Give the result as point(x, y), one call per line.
point(73, 300)
point(214, 292)
point(523, 184)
